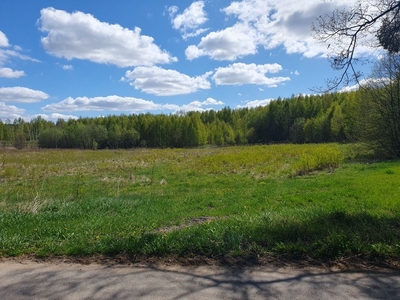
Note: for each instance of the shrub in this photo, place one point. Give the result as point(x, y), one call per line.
point(20, 141)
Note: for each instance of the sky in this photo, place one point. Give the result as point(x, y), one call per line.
point(92, 58)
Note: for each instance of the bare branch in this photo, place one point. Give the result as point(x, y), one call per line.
point(343, 29)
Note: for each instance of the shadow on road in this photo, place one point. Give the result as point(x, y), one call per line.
point(64, 281)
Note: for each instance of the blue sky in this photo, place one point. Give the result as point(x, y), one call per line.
point(66, 59)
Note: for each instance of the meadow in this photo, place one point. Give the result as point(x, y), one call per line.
point(318, 202)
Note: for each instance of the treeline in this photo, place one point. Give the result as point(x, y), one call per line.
point(300, 119)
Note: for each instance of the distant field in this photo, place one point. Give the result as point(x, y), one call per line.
point(297, 201)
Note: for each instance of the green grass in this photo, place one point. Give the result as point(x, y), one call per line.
point(293, 200)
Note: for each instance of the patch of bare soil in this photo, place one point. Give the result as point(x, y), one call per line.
point(349, 263)
point(191, 222)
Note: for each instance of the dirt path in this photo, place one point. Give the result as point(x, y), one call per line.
point(63, 280)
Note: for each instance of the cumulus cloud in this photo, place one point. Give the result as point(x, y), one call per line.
point(190, 20)
point(10, 73)
point(20, 94)
point(112, 103)
point(255, 103)
point(200, 106)
point(10, 112)
point(211, 101)
point(269, 24)
point(3, 40)
point(54, 117)
point(228, 44)
point(240, 73)
point(82, 36)
point(161, 82)
point(284, 23)
point(125, 104)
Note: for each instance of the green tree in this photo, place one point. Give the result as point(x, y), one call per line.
point(297, 131)
point(379, 108)
point(96, 136)
point(50, 138)
point(20, 140)
point(129, 138)
point(337, 123)
point(2, 131)
point(196, 131)
point(114, 136)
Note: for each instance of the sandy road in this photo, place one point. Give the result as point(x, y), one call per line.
point(32, 280)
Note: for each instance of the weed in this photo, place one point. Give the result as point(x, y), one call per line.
point(32, 207)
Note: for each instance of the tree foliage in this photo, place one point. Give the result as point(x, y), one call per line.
point(379, 107)
point(299, 119)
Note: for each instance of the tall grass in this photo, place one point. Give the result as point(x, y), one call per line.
point(240, 201)
point(319, 158)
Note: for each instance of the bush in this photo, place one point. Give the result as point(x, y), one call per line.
point(20, 140)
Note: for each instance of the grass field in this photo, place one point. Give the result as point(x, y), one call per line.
point(297, 201)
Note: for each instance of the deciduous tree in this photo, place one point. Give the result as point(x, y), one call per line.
point(373, 23)
point(379, 107)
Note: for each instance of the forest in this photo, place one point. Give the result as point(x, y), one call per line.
point(299, 119)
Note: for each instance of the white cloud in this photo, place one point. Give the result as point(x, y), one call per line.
point(255, 103)
point(67, 67)
point(9, 73)
point(240, 73)
point(54, 117)
point(112, 103)
point(125, 104)
point(228, 44)
point(161, 82)
point(211, 101)
point(248, 10)
point(3, 40)
point(193, 52)
point(195, 33)
point(369, 82)
point(284, 23)
point(20, 94)
point(270, 24)
point(7, 54)
point(82, 36)
point(10, 112)
point(172, 10)
point(295, 73)
point(190, 20)
point(197, 105)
